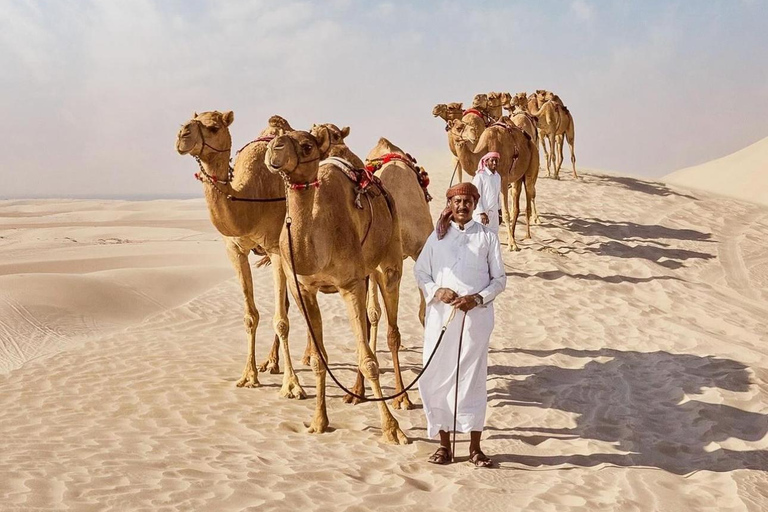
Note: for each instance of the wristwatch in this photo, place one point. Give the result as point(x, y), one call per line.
point(478, 299)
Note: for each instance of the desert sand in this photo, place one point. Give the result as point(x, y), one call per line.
point(741, 175)
point(628, 369)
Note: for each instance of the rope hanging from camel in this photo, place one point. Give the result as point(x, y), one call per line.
point(321, 356)
point(213, 181)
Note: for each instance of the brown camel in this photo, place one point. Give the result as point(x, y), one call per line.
point(411, 223)
point(518, 166)
point(557, 124)
point(407, 184)
point(245, 226)
point(336, 246)
point(494, 105)
point(449, 112)
point(523, 120)
point(474, 123)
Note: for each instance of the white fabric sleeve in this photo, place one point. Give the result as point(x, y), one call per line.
point(496, 270)
point(423, 270)
point(477, 181)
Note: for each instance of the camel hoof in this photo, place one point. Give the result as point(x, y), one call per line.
point(394, 436)
point(349, 399)
point(292, 389)
point(270, 365)
point(249, 380)
point(402, 402)
point(318, 427)
point(513, 248)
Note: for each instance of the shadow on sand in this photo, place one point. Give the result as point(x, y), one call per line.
point(646, 187)
point(624, 230)
point(639, 402)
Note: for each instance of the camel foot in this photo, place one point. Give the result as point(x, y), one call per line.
point(270, 365)
point(402, 402)
point(393, 435)
point(250, 379)
point(349, 399)
point(292, 389)
point(527, 237)
point(513, 248)
point(537, 220)
point(318, 426)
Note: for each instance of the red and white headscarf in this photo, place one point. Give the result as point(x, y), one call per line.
point(462, 189)
point(484, 160)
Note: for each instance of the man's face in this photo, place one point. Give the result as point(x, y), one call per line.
point(492, 163)
point(462, 208)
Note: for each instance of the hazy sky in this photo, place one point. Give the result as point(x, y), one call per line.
point(93, 93)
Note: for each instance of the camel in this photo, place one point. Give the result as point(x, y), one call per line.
point(407, 184)
point(494, 105)
point(555, 123)
point(245, 225)
point(333, 246)
point(413, 224)
point(523, 120)
point(474, 123)
point(518, 166)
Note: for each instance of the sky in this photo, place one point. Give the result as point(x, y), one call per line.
point(93, 92)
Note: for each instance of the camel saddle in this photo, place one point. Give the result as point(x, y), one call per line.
point(375, 165)
point(363, 179)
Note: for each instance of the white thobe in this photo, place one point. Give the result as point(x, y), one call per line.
point(488, 183)
point(467, 262)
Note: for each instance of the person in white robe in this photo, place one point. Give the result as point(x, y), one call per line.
point(488, 183)
point(459, 267)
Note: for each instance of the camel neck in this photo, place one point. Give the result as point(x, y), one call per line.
point(217, 166)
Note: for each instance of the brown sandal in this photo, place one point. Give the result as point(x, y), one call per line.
point(480, 460)
point(442, 456)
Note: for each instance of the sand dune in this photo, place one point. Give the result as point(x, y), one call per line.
point(628, 369)
point(741, 175)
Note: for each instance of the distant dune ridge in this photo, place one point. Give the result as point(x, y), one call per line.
point(741, 175)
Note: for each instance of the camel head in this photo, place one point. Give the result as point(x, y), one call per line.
point(440, 110)
point(296, 155)
point(462, 133)
point(205, 134)
point(335, 134)
point(480, 102)
point(518, 101)
point(506, 99)
point(277, 125)
point(494, 100)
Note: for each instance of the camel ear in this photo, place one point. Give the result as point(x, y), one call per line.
point(228, 117)
point(323, 141)
point(194, 115)
point(344, 132)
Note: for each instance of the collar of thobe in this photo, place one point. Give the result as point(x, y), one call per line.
point(468, 225)
point(488, 171)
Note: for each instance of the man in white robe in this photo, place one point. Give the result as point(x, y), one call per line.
point(488, 183)
point(460, 267)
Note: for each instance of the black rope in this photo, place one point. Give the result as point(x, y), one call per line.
point(454, 173)
point(288, 222)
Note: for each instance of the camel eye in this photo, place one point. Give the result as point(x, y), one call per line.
point(214, 129)
point(306, 147)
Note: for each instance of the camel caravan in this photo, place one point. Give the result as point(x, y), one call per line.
point(326, 221)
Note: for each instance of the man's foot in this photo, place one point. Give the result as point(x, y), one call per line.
point(442, 456)
point(480, 460)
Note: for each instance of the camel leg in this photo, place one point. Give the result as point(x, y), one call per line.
point(532, 176)
point(508, 221)
point(305, 359)
point(390, 291)
point(516, 190)
point(374, 315)
point(558, 155)
point(530, 194)
point(272, 363)
point(319, 422)
point(543, 139)
point(238, 256)
point(291, 386)
point(279, 322)
point(354, 297)
point(570, 137)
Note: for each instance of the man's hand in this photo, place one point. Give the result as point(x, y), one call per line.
point(484, 218)
point(446, 295)
point(465, 303)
